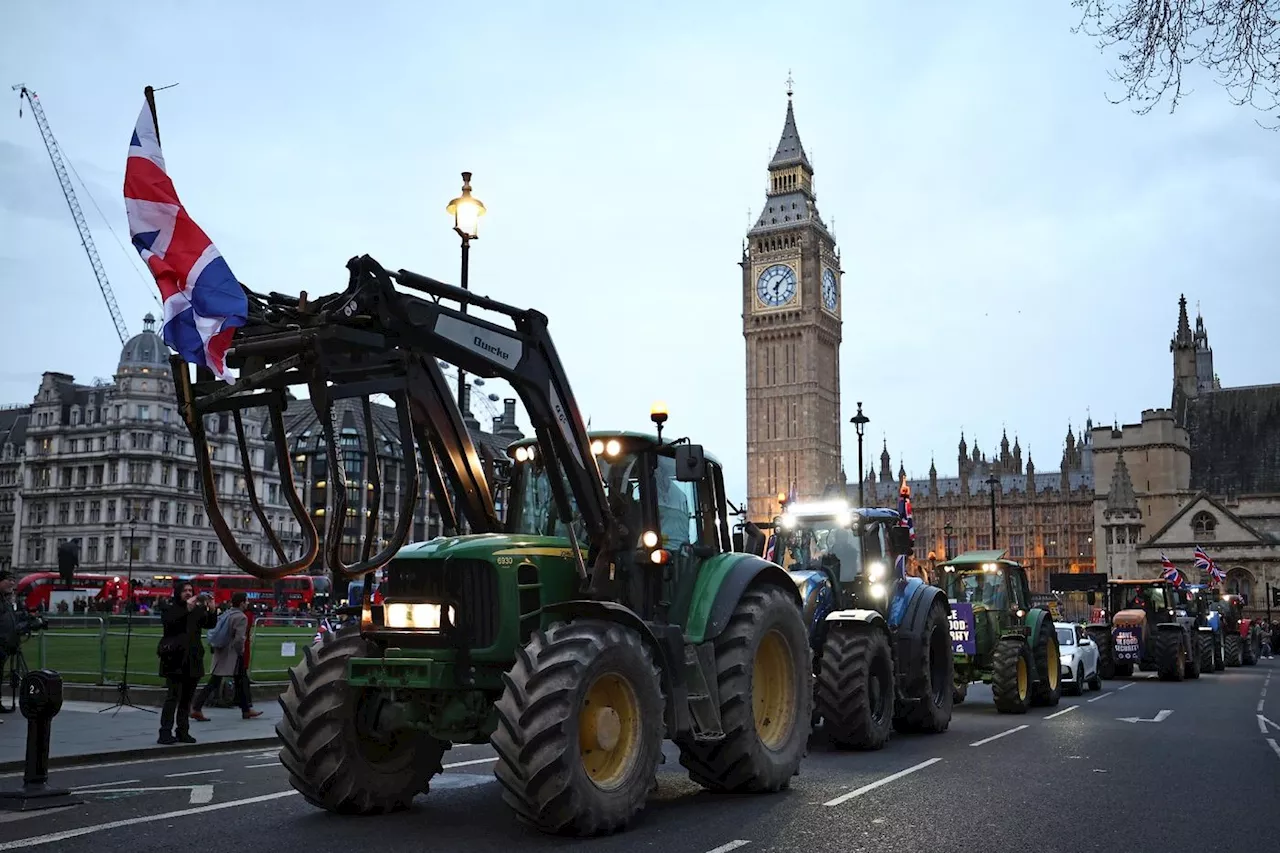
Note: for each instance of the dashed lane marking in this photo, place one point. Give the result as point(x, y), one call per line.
point(1125, 687)
point(1066, 710)
point(1100, 696)
point(473, 761)
point(193, 773)
point(1275, 746)
point(997, 737)
point(107, 784)
point(858, 792)
point(1260, 704)
point(732, 845)
point(152, 818)
point(199, 793)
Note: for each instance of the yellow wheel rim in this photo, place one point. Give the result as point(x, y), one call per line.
point(1051, 663)
point(1023, 678)
point(609, 730)
point(773, 690)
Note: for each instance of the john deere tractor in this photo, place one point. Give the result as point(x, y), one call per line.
point(883, 652)
point(997, 636)
point(1242, 638)
point(1152, 625)
point(606, 613)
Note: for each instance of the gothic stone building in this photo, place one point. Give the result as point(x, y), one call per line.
point(1205, 471)
point(791, 301)
point(1044, 519)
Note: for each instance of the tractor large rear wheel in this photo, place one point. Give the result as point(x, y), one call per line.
point(765, 674)
point(580, 728)
point(1106, 657)
point(1252, 648)
point(1171, 659)
point(1207, 645)
point(1011, 676)
point(1193, 656)
point(1047, 690)
point(854, 694)
point(932, 684)
point(338, 756)
point(1232, 646)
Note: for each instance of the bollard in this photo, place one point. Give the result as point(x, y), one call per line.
point(40, 698)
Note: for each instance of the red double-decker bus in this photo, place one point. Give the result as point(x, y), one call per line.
point(34, 591)
point(296, 591)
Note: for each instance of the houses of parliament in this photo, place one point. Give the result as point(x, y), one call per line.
point(791, 315)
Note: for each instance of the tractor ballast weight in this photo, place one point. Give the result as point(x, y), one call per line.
point(606, 612)
point(880, 638)
point(998, 637)
point(1151, 625)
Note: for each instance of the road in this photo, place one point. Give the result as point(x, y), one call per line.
point(1087, 775)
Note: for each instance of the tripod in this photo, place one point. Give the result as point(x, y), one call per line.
point(17, 663)
point(122, 688)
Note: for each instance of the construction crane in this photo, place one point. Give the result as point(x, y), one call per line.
point(68, 192)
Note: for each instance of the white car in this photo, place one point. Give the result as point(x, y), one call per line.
point(1079, 658)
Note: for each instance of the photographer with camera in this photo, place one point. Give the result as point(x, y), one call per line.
point(181, 654)
point(13, 622)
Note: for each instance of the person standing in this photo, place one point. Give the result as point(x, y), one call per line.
point(181, 659)
point(232, 637)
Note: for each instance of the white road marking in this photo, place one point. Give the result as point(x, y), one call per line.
point(179, 757)
point(106, 784)
point(997, 737)
point(858, 792)
point(1160, 717)
point(120, 824)
point(1263, 722)
point(1126, 686)
point(192, 773)
point(1260, 704)
point(1066, 710)
point(1275, 746)
point(732, 845)
point(199, 793)
point(268, 764)
point(469, 763)
point(1099, 696)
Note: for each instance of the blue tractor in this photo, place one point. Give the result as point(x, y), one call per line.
point(881, 640)
point(1210, 625)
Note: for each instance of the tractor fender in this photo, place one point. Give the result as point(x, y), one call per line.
point(818, 595)
point(867, 617)
point(722, 580)
point(1034, 619)
point(917, 600)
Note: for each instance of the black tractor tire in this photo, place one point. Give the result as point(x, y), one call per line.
point(1232, 647)
point(959, 692)
point(1011, 669)
point(743, 762)
point(1193, 655)
point(1219, 652)
point(932, 685)
point(1106, 657)
point(1252, 647)
point(855, 687)
point(1124, 669)
point(1047, 689)
point(1207, 645)
point(335, 758)
point(571, 685)
point(1171, 659)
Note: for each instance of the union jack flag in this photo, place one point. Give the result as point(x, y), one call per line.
point(1205, 563)
point(325, 628)
point(906, 519)
point(203, 302)
point(771, 548)
point(791, 494)
point(1170, 572)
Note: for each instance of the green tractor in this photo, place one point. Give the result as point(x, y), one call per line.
point(607, 612)
point(997, 636)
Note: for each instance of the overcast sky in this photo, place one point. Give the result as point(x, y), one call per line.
point(1013, 244)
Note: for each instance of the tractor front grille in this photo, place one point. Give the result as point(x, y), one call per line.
point(469, 586)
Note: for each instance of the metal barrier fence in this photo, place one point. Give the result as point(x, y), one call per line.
point(93, 649)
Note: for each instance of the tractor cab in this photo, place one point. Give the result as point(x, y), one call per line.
point(987, 582)
point(853, 547)
point(1231, 607)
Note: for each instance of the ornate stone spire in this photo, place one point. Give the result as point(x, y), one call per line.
point(1121, 498)
point(1183, 337)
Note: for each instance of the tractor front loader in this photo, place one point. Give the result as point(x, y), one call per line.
point(606, 613)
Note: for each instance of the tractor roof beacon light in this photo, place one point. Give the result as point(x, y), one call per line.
point(466, 211)
point(658, 414)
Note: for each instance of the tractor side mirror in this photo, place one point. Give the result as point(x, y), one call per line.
point(691, 463)
point(900, 540)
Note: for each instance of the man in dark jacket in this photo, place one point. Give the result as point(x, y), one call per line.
point(181, 656)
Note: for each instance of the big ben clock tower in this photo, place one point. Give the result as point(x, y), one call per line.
point(791, 298)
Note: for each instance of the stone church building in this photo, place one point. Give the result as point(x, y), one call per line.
point(1205, 471)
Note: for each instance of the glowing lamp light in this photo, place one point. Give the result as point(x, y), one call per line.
point(597, 447)
point(660, 557)
point(650, 539)
point(612, 448)
point(658, 412)
point(466, 211)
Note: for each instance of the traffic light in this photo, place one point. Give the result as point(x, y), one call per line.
point(1275, 595)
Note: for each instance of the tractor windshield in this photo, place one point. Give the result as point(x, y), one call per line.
point(813, 539)
point(533, 511)
point(978, 586)
point(1149, 596)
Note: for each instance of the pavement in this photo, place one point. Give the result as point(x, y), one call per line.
point(1092, 774)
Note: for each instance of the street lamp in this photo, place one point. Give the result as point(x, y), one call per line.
point(992, 482)
point(946, 549)
point(860, 422)
point(466, 211)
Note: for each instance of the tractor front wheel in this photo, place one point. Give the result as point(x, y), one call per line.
point(1232, 647)
point(1207, 646)
point(855, 686)
point(959, 692)
point(1252, 649)
point(932, 684)
point(580, 728)
point(1193, 655)
point(1011, 676)
point(765, 673)
point(1047, 690)
point(338, 755)
point(1171, 657)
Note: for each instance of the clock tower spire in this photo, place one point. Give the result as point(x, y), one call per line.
point(791, 300)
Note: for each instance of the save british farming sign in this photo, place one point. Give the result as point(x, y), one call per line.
point(1126, 644)
point(962, 633)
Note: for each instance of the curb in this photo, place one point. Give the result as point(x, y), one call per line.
point(153, 697)
point(64, 762)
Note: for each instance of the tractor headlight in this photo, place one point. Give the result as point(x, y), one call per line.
point(875, 571)
point(650, 539)
point(877, 590)
point(419, 616)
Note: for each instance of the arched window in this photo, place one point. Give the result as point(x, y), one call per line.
point(1240, 582)
point(1204, 525)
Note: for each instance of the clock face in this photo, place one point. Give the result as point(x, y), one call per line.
point(829, 289)
point(776, 285)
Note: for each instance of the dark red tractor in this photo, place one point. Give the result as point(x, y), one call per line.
point(1241, 636)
